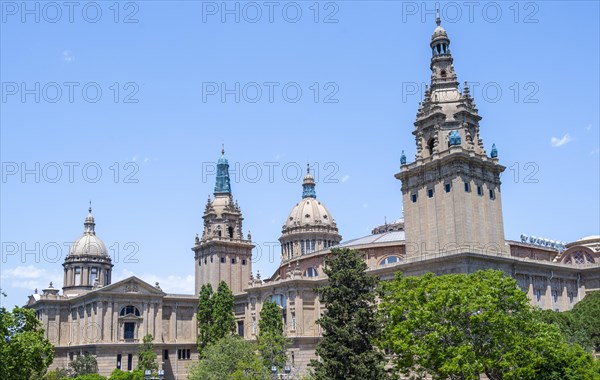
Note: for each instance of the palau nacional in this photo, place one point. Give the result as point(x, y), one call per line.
point(452, 223)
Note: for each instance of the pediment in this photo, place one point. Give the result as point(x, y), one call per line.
point(131, 285)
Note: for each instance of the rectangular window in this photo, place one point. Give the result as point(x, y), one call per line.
point(129, 362)
point(118, 361)
point(77, 276)
point(293, 321)
point(467, 187)
point(183, 354)
point(313, 244)
point(240, 328)
point(129, 329)
point(447, 187)
point(222, 260)
point(479, 190)
point(302, 247)
point(430, 193)
point(538, 295)
point(413, 197)
point(243, 261)
point(571, 297)
point(492, 194)
point(233, 261)
point(93, 275)
point(555, 295)
point(165, 354)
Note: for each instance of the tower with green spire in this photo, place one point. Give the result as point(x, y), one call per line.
point(223, 253)
point(222, 185)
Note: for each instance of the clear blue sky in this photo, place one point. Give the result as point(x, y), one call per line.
point(543, 56)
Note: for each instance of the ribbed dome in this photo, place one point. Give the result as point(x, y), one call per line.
point(309, 212)
point(88, 243)
point(439, 33)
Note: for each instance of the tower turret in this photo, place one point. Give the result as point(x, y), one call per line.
point(222, 253)
point(451, 192)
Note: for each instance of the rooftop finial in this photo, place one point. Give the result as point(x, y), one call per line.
point(89, 222)
point(438, 21)
point(223, 149)
point(308, 185)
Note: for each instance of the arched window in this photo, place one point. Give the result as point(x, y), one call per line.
point(579, 258)
point(280, 300)
point(129, 309)
point(390, 260)
point(430, 146)
point(311, 272)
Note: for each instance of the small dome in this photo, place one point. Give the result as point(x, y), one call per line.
point(309, 212)
point(88, 243)
point(439, 33)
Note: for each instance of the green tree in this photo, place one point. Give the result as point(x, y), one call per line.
point(459, 326)
point(223, 318)
point(581, 324)
point(272, 342)
point(215, 315)
point(57, 374)
point(84, 364)
point(205, 318)
point(90, 376)
point(230, 358)
point(24, 352)
point(147, 356)
point(117, 374)
point(587, 320)
point(349, 323)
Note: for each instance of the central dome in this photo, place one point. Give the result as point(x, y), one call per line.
point(88, 244)
point(309, 212)
point(309, 227)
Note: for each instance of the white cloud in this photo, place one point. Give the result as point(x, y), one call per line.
point(168, 283)
point(68, 56)
point(556, 142)
point(345, 178)
point(31, 277)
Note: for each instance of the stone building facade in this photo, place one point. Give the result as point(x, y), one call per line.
point(452, 223)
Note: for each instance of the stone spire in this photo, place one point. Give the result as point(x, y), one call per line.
point(222, 185)
point(89, 222)
point(308, 186)
point(443, 76)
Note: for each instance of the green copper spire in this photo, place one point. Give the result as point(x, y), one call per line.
point(223, 185)
point(308, 186)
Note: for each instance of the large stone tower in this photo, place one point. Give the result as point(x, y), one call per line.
point(88, 264)
point(222, 254)
point(451, 192)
